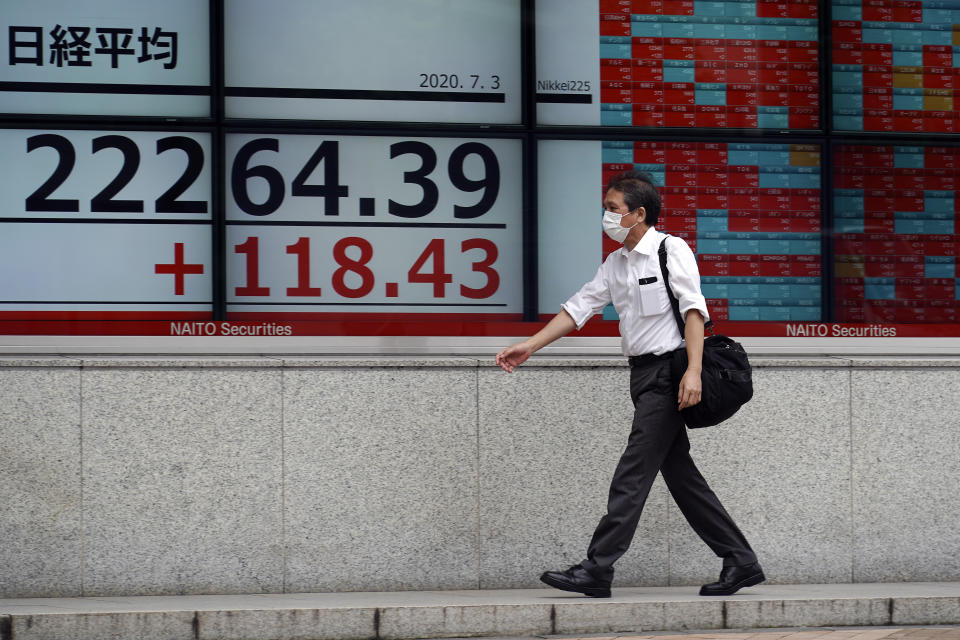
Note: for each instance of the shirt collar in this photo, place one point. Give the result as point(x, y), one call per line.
point(648, 245)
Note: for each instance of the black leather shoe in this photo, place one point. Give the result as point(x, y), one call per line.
point(732, 579)
point(577, 579)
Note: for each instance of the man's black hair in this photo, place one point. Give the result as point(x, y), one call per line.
point(638, 191)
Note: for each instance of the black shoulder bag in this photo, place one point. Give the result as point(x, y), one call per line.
point(726, 378)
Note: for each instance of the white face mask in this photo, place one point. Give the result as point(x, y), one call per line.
point(611, 226)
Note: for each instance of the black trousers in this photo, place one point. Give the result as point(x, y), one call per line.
point(658, 443)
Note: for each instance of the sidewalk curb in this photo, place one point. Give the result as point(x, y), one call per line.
point(406, 615)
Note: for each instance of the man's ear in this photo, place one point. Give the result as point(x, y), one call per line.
point(643, 215)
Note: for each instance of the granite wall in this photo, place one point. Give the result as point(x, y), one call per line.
point(144, 476)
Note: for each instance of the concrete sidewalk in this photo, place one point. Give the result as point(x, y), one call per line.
point(449, 614)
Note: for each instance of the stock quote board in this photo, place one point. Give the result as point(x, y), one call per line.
point(896, 65)
point(408, 210)
point(750, 211)
point(895, 243)
point(115, 225)
point(751, 64)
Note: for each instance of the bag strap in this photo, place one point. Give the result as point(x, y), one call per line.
point(674, 303)
point(665, 273)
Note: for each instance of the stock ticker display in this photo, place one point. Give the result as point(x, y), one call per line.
point(896, 65)
point(694, 63)
point(750, 211)
point(895, 246)
point(808, 152)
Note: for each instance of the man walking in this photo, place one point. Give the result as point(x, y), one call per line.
point(630, 278)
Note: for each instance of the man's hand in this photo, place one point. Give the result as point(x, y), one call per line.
point(513, 356)
point(690, 389)
point(516, 354)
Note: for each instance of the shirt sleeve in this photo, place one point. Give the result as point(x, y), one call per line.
point(590, 299)
point(685, 277)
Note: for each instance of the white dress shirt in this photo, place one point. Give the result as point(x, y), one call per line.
point(647, 323)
